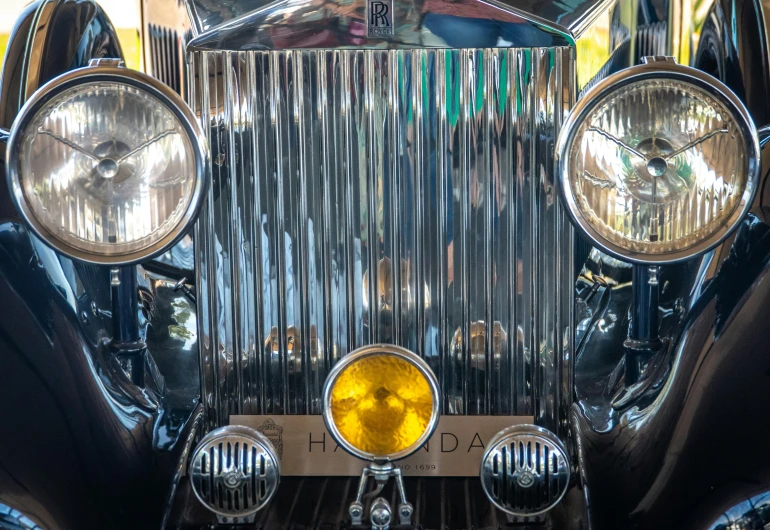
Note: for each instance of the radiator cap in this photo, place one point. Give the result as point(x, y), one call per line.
point(525, 470)
point(234, 472)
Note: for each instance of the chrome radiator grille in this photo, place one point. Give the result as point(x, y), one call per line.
point(401, 196)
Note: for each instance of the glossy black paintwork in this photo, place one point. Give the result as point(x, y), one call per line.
point(733, 48)
point(82, 446)
point(77, 32)
point(690, 444)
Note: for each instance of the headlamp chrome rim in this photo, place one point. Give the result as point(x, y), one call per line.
point(372, 351)
point(657, 70)
point(138, 80)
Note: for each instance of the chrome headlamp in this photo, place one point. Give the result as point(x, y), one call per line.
point(107, 165)
point(658, 163)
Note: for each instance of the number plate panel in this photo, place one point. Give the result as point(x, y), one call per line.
point(305, 447)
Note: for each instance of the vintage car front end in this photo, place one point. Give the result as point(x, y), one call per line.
point(370, 263)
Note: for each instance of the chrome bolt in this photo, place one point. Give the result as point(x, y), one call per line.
point(405, 512)
point(380, 515)
point(356, 513)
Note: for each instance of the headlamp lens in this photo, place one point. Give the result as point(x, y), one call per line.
point(107, 168)
point(658, 165)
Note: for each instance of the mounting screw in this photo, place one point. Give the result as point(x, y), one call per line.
point(405, 512)
point(356, 513)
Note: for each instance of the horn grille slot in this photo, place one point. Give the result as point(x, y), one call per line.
point(234, 472)
point(525, 471)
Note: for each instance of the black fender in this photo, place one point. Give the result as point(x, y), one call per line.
point(52, 37)
point(692, 447)
point(83, 447)
point(733, 47)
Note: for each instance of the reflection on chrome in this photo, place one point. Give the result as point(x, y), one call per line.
point(438, 160)
point(478, 347)
point(295, 24)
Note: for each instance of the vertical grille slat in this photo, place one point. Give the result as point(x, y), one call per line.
point(401, 196)
point(165, 56)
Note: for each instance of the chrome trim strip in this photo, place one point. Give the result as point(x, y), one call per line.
point(181, 469)
point(33, 54)
point(586, 20)
point(410, 32)
point(567, 19)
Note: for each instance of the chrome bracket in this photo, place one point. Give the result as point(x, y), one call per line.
point(380, 473)
point(107, 61)
point(659, 59)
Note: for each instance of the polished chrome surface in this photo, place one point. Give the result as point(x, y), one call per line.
point(316, 24)
point(85, 442)
point(660, 67)
point(605, 45)
point(380, 514)
point(380, 350)
point(155, 89)
point(224, 19)
point(332, 166)
point(234, 472)
point(525, 470)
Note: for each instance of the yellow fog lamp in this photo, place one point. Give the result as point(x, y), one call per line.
point(381, 404)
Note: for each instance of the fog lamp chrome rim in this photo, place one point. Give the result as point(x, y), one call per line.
point(670, 71)
point(242, 469)
point(379, 350)
point(520, 483)
point(139, 81)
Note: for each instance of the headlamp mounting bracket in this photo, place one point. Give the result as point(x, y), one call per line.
point(380, 473)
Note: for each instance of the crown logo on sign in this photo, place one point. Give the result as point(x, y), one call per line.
point(274, 433)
